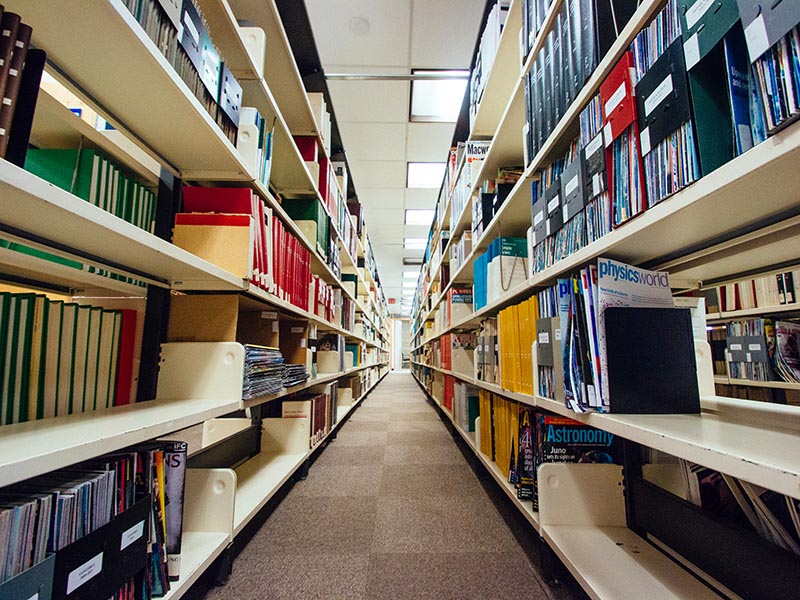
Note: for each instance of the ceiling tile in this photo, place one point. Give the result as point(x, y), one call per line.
point(378, 173)
point(385, 27)
point(455, 21)
point(370, 101)
point(421, 198)
point(385, 216)
point(374, 141)
point(429, 142)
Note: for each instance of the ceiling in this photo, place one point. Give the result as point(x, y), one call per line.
point(390, 37)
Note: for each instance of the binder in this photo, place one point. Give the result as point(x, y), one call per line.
point(573, 188)
point(662, 98)
point(765, 23)
point(703, 25)
point(36, 582)
point(594, 168)
point(552, 200)
point(538, 215)
point(640, 380)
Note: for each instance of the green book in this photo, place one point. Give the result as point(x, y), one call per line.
point(71, 170)
point(310, 217)
point(66, 359)
point(6, 321)
point(52, 359)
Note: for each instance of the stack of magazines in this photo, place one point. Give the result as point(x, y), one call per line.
point(263, 371)
point(294, 375)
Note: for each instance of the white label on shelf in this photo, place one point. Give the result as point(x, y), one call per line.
point(691, 52)
point(268, 314)
point(696, 12)
point(564, 213)
point(131, 535)
point(297, 330)
point(595, 145)
point(7, 101)
point(607, 134)
point(644, 137)
point(91, 568)
point(303, 343)
point(757, 38)
point(735, 347)
point(571, 186)
point(754, 347)
point(659, 94)
point(748, 358)
point(275, 326)
point(597, 184)
point(558, 334)
point(552, 205)
point(544, 337)
point(538, 218)
point(13, 73)
point(313, 349)
point(187, 20)
point(616, 98)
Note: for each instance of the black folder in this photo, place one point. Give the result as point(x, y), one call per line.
point(767, 21)
point(192, 39)
point(538, 216)
point(662, 98)
point(594, 166)
point(36, 582)
point(552, 200)
point(651, 361)
point(544, 343)
point(573, 188)
point(703, 26)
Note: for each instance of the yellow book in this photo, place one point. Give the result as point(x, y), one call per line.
point(515, 349)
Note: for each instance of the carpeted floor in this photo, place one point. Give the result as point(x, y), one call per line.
point(391, 509)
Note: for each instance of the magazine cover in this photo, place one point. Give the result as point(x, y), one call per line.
point(787, 350)
point(619, 284)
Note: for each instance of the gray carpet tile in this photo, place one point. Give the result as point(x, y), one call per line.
point(404, 481)
point(390, 509)
point(479, 575)
point(340, 481)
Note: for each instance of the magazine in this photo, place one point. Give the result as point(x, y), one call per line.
point(787, 352)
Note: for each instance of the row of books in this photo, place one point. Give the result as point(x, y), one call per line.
point(488, 199)
point(487, 361)
point(255, 142)
point(761, 349)
point(181, 34)
point(466, 406)
point(484, 59)
point(760, 292)
point(458, 306)
point(276, 261)
point(46, 514)
point(93, 177)
point(651, 154)
point(318, 405)
point(460, 249)
point(516, 327)
point(60, 358)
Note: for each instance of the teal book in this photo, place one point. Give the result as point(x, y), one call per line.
point(71, 170)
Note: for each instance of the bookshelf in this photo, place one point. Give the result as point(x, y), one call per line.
point(706, 234)
point(111, 64)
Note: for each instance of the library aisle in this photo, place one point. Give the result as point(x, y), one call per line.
point(390, 509)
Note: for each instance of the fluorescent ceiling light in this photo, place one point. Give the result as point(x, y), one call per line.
point(437, 101)
point(419, 216)
point(415, 243)
point(425, 175)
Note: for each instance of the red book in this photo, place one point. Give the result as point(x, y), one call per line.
point(618, 100)
point(219, 200)
point(308, 147)
point(213, 219)
point(127, 346)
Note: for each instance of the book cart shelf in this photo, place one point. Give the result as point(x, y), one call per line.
point(166, 137)
point(619, 544)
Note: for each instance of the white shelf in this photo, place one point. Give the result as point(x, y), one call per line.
point(199, 549)
point(56, 126)
point(34, 206)
point(728, 315)
point(778, 385)
point(99, 49)
point(747, 448)
point(262, 476)
point(37, 447)
point(504, 74)
point(596, 555)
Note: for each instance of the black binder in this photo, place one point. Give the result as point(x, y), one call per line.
point(651, 361)
point(662, 98)
point(552, 200)
point(538, 216)
point(594, 159)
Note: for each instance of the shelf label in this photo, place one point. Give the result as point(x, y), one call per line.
point(607, 135)
point(553, 204)
point(616, 98)
point(558, 334)
point(597, 184)
point(131, 535)
point(91, 568)
point(187, 21)
point(571, 186)
point(659, 94)
point(735, 347)
point(538, 218)
point(754, 347)
point(691, 52)
point(297, 330)
point(303, 343)
point(275, 327)
point(544, 337)
point(644, 138)
point(268, 314)
point(696, 12)
point(757, 38)
point(595, 145)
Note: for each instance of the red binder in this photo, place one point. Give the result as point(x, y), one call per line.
point(127, 346)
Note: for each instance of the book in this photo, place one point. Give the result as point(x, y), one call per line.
point(174, 487)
